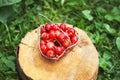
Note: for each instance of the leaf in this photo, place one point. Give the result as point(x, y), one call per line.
point(62, 2)
point(9, 63)
point(117, 18)
point(10, 78)
point(47, 5)
point(72, 3)
point(1, 55)
point(97, 37)
point(110, 30)
point(87, 15)
point(5, 12)
point(103, 64)
point(118, 43)
point(106, 56)
point(11, 57)
point(109, 17)
point(115, 11)
point(114, 15)
point(29, 2)
point(101, 10)
point(57, 0)
point(8, 2)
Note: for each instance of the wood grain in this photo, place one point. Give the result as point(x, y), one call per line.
point(79, 64)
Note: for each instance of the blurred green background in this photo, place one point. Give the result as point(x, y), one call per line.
point(100, 19)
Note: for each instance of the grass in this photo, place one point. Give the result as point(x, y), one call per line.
point(99, 19)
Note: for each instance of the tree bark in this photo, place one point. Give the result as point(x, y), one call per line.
point(79, 64)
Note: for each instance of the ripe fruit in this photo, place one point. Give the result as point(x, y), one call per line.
point(66, 43)
point(43, 29)
point(50, 45)
point(52, 34)
point(61, 37)
point(74, 39)
point(45, 36)
point(63, 48)
point(57, 33)
point(55, 40)
point(44, 48)
point(50, 53)
point(71, 32)
point(55, 27)
point(42, 42)
point(58, 50)
point(63, 27)
point(48, 27)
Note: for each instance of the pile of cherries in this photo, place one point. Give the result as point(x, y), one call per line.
point(56, 39)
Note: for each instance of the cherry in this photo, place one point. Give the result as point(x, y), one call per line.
point(66, 43)
point(57, 33)
point(61, 37)
point(52, 34)
point(58, 50)
point(74, 39)
point(50, 53)
point(55, 27)
point(48, 27)
point(71, 32)
point(42, 42)
point(63, 48)
point(50, 45)
point(45, 36)
point(54, 41)
point(63, 27)
point(43, 29)
point(44, 48)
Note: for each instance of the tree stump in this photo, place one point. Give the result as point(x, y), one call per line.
point(79, 64)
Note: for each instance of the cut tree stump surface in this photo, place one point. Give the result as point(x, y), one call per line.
point(79, 64)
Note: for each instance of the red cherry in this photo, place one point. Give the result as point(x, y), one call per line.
point(61, 37)
point(45, 36)
point(57, 33)
point(74, 39)
point(42, 42)
point(71, 32)
point(63, 48)
point(55, 27)
point(66, 43)
point(50, 45)
point(50, 53)
point(43, 29)
point(43, 48)
point(48, 27)
point(58, 50)
point(63, 27)
point(52, 34)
